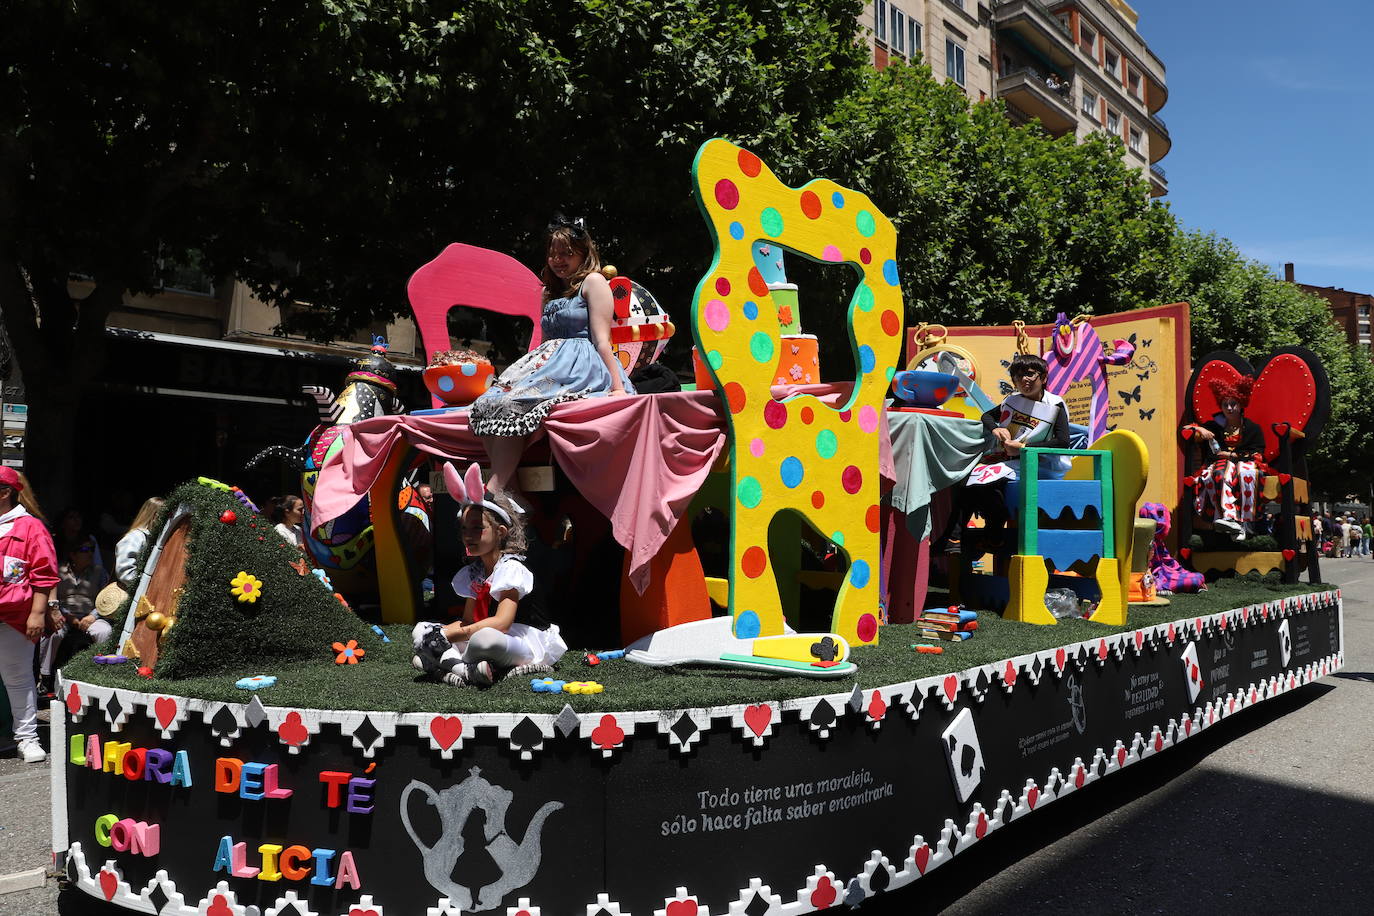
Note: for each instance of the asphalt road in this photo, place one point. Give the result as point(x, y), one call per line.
point(1270, 811)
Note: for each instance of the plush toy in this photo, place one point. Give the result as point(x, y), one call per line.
point(1169, 575)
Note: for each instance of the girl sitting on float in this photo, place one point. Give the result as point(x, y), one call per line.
point(504, 624)
point(1227, 489)
point(574, 360)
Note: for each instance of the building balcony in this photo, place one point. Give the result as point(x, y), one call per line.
point(1029, 24)
point(1160, 143)
point(1159, 182)
point(1031, 94)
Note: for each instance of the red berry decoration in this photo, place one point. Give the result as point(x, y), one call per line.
point(228, 517)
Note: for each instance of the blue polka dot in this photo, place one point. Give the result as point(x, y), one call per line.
point(445, 383)
point(890, 272)
point(737, 231)
point(747, 625)
point(751, 310)
point(837, 199)
point(468, 369)
point(859, 573)
point(792, 471)
point(866, 359)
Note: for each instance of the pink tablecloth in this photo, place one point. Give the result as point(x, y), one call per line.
point(639, 459)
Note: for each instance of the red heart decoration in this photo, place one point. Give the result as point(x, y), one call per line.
point(607, 735)
point(1059, 657)
point(1121, 756)
point(1281, 429)
point(1185, 552)
point(951, 687)
point(1139, 639)
point(824, 894)
point(923, 853)
point(1172, 634)
point(1078, 778)
point(1102, 648)
point(1289, 554)
point(682, 908)
point(165, 708)
point(292, 731)
point(356, 911)
point(758, 717)
point(73, 700)
point(1198, 623)
point(1032, 797)
point(1187, 434)
point(446, 730)
point(1159, 741)
point(1009, 674)
point(1222, 621)
point(220, 907)
point(981, 830)
point(877, 709)
point(1252, 695)
point(1187, 726)
point(1284, 478)
point(1189, 481)
point(109, 883)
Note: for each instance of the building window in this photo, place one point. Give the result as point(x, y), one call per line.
point(1135, 139)
point(1133, 82)
point(954, 61)
point(898, 31)
point(1113, 122)
point(916, 46)
point(1112, 61)
point(1088, 38)
point(880, 19)
point(1090, 104)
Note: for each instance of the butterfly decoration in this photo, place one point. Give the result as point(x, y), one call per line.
point(1143, 375)
point(1129, 396)
point(1147, 414)
point(1145, 341)
point(1004, 388)
point(1006, 363)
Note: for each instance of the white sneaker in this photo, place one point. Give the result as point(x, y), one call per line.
point(482, 674)
point(32, 751)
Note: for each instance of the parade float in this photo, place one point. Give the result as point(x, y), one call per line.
point(268, 752)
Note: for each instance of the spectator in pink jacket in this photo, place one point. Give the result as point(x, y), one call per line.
point(27, 578)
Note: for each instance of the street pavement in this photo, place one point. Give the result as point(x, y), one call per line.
point(1269, 811)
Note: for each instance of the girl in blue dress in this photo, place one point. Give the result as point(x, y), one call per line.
point(573, 361)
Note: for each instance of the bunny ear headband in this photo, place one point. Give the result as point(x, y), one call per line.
point(469, 491)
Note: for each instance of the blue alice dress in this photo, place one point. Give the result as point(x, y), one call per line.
point(564, 367)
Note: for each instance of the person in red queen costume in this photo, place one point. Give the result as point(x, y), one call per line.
point(27, 578)
point(1228, 489)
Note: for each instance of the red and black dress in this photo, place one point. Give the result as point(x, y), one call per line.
point(1229, 489)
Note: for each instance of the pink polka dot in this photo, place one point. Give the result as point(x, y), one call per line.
point(832, 253)
point(756, 448)
point(727, 195)
point(865, 255)
point(852, 479)
point(722, 286)
point(717, 315)
point(775, 415)
point(866, 628)
point(868, 418)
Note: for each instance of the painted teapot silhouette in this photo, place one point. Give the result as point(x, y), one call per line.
point(518, 864)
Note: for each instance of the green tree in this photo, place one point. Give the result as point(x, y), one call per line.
point(321, 150)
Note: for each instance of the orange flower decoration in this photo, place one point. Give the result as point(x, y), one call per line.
point(785, 314)
point(349, 654)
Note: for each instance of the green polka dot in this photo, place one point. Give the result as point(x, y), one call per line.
point(750, 492)
point(838, 538)
point(771, 221)
point(761, 347)
point(863, 298)
point(866, 225)
point(891, 372)
point(826, 444)
point(714, 359)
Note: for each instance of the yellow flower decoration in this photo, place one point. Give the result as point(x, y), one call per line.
point(246, 587)
point(583, 687)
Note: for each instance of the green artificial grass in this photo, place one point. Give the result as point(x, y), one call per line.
point(385, 680)
point(293, 622)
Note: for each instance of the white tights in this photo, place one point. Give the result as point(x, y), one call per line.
point(487, 644)
point(16, 668)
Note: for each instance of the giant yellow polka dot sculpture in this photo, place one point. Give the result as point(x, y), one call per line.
point(796, 454)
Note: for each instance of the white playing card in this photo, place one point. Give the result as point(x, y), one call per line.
point(1192, 674)
point(964, 754)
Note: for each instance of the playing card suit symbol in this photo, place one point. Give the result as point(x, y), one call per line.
point(1289, 554)
point(1282, 429)
point(1187, 726)
point(73, 700)
point(607, 735)
point(1139, 637)
point(1285, 478)
point(1121, 756)
point(824, 895)
point(109, 883)
point(1159, 741)
point(1032, 797)
point(1059, 658)
point(1078, 777)
point(292, 730)
point(1172, 634)
point(1185, 552)
point(877, 708)
point(446, 730)
point(923, 853)
point(1253, 695)
point(681, 908)
point(757, 718)
point(220, 907)
point(1221, 621)
point(1189, 481)
point(165, 708)
point(1230, 705)
point(1102, 648)
point(981, 830)
point(951, 686)
point(359, 911)
point(1197, 624)
point(1187, 434)
point(1009, 674)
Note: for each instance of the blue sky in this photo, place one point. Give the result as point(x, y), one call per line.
point(1271, 111)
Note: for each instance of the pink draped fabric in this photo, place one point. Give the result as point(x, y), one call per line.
point(639, 460)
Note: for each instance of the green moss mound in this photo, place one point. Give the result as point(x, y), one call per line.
point(294, 621)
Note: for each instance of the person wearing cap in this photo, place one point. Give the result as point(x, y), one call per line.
point(79, 623)
point(27, 578)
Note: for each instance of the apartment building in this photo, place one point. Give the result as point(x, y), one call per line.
point(1350, 311)
point(1076, 67)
